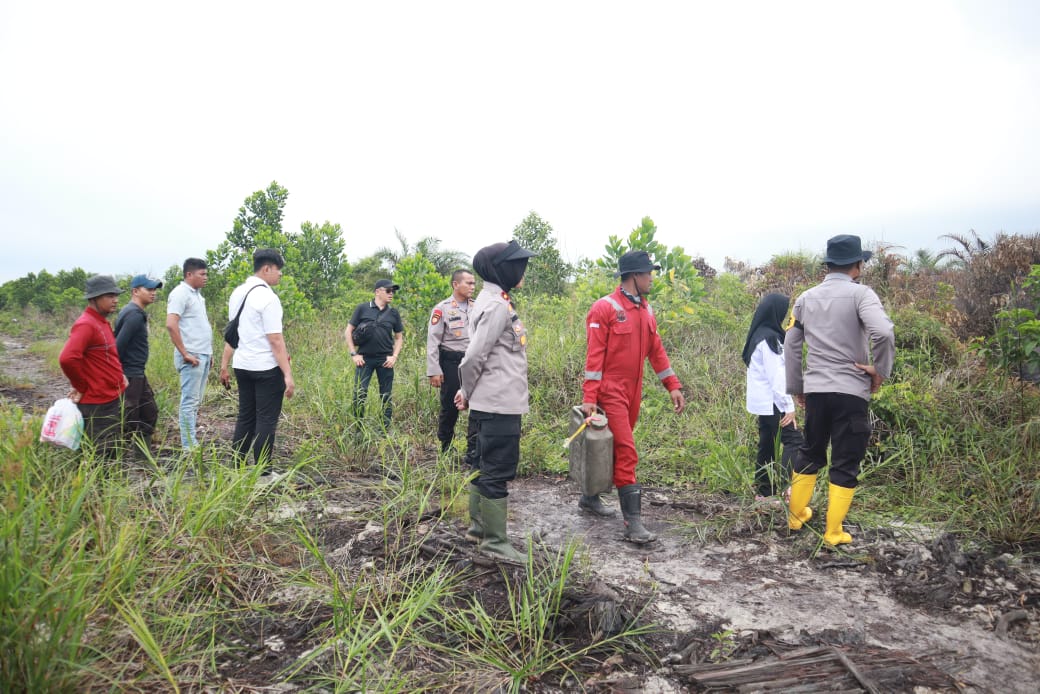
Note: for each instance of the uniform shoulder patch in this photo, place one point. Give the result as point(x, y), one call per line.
point(435, 318)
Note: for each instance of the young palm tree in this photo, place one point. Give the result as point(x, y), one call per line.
point(969, 248)
point(922, 262)
point(445, 260)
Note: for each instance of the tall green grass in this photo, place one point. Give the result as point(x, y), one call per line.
point(114, 578)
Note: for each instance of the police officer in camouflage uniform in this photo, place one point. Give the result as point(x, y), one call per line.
point(446, 341)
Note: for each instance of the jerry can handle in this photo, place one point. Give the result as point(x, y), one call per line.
point(580, 412)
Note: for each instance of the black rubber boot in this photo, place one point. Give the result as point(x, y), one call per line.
point(631, 508)
point(594, 505)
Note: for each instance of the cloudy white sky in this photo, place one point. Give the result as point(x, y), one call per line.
point(131, 132)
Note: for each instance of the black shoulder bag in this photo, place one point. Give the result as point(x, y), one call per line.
point(231, 329)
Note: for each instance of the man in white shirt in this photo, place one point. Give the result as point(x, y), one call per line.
point(192, 337)
point(261, 362)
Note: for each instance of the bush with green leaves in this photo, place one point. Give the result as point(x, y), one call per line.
point(547, 272)
point(1015, 344)
point(676, 266)
point(422, 288)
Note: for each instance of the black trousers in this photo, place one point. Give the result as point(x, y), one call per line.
point(449, 414)
point(260, 395)
point(790, 437)
point(841, 421)
point(497, 453)
point(140, 409)
point(362, 379)
point(103, 426)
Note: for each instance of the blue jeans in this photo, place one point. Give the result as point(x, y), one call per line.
point(362, 378)
point(193, 387)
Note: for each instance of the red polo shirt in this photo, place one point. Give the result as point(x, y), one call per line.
point(90, 359)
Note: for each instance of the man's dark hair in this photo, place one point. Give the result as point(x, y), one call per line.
point(831, 267)
point(457, 275)
point(267, 256)
point(193, 264)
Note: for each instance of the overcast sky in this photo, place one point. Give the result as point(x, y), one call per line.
point(131, 132)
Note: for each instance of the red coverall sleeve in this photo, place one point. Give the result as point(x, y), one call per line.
point(72, 356)
point(661, 364)
point(597, 330)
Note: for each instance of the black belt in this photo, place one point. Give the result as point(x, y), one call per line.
point(451, 355)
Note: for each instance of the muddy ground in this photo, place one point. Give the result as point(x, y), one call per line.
point(742, 604)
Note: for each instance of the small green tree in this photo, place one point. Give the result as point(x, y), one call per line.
point(677, 268)
point(421, 288)
point(263, 210)
point(547, 272)
point(320, 263)
point(295, 304)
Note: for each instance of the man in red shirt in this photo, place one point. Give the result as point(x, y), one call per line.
point(90, 361)
point(622, 333)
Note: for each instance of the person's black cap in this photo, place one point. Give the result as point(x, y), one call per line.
point(845, 249)
point(513, 251)
point(635, 262)
point(386, 284)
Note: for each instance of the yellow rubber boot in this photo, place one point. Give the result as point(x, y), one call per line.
point(838, 502)
point(798, 511)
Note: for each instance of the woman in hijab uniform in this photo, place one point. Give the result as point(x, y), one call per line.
point(493, 384)
point(767, 393)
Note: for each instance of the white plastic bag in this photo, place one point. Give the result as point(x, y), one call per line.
point(63, 425)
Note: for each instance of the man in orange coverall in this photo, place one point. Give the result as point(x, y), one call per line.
point(622, 333)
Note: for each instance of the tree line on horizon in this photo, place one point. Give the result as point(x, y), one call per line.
point(984, 290)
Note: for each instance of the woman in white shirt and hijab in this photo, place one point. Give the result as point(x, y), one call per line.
point(767, 395)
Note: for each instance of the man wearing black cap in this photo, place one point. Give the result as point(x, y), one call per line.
point(140, 410)
point(835, 320)
point(90, 361)
point(375, 336)
point(622, 334)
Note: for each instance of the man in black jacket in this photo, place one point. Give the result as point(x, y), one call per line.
point(375, 335)
point(141, 412)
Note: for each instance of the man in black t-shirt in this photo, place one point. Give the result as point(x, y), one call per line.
point(375, 335)
point(131, 331)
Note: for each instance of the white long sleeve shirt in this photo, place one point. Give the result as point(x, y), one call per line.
point(766, 382)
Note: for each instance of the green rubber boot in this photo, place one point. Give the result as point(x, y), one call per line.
point(495, 542)
point(476, 528)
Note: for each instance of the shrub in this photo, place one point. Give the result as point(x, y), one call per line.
point(989, 273)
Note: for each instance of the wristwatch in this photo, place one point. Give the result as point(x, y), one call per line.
point(353, 353)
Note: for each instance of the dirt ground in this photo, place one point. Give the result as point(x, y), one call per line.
point(742, 604)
